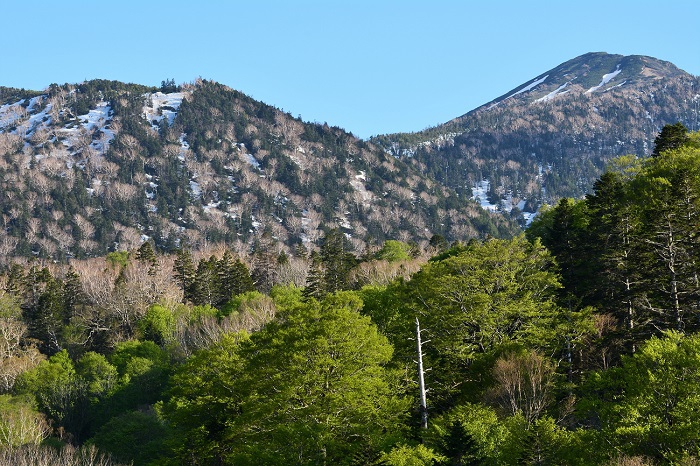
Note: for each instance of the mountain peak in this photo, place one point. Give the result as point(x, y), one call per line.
point(552, 136)
point(593, 72)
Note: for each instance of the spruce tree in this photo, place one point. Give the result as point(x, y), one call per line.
point(206, 283)
point(671, 137)
point(184, 273)
point(315, 286)
point(147, 256)
point(337, 261)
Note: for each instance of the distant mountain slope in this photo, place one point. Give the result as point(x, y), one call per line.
point(105, 165)
point(552, 136)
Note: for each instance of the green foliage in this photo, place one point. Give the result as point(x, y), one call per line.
point(100, 377)
point(471, 434)
point(394, 251)
point(133, 437)
point(204, 400)
point(300, 390)
point(158, 324)
point(118, 258)
point(127, 352)
point(59, 392)
point(489, 295)
point(405, 455)
point(650, 404)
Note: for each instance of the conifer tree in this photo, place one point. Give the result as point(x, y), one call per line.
point(147, 255)
point(264, 271)
point(315, 287)
point(184, 273)
point(337, 262)
point(242, 279)
point(206, 283)
point(671, 137)
point(234, 278)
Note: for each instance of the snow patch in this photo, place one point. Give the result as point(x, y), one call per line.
point(558, 91)
point(251, 160)
point(505, 205)
point(606, 79)
point(529, 87)
point(358, 184)
point(159, 106)
point(99, 117)
point(10, 113)
point(196, 189)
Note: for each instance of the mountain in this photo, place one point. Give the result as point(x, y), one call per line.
point(103, 165)
point(552, 136)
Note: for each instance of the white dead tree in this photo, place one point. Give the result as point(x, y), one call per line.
point(421, 380)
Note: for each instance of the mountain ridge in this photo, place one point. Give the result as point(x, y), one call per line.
point(553, 135)
point(105, 165)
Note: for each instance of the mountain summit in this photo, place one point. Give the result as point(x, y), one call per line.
point(552, 136)
point(595, 72)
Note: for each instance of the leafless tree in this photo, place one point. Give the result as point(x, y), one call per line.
point(42, 455)
point(523, 384)
point(22, 425)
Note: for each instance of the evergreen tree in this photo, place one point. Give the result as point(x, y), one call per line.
point(315, 286)
point(184, 273)
point(206, 283)
point(671, 137)
point(241, 278)
point(73, 293)
point(337, 262)
point(234, 278)
point(265, 268)
point(147, 256)
point(15, 281)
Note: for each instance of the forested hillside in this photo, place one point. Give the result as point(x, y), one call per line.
point(575, 344)
point(102, 166)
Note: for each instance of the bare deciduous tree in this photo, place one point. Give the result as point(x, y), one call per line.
point(523, 384)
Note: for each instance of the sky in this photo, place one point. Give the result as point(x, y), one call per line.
point(368, 66)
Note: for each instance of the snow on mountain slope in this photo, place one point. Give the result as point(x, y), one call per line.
point(606, 79)
point(159, 105)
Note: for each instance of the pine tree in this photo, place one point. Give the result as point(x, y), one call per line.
point(264, 264)
point(315, 286)
point(147, 255)
point(73, 293)
point(206, 283)
point(234, 278)
point(242, 279)
point(337, 262)
point(184, 273)
point(671, 137)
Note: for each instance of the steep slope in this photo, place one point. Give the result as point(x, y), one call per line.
point(105, 165)
point(552, 136)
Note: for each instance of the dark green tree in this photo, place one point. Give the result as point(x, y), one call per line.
point(234, 278)
point(184, 273)
point(264, 265)
point(315, 286)
point(146, 255)
point(205, 288)
point(337, 261)
point(671, 137)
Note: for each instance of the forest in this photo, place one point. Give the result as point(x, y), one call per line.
point(575, 343)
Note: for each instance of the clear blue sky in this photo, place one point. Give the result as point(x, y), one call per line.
point(369, 66)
